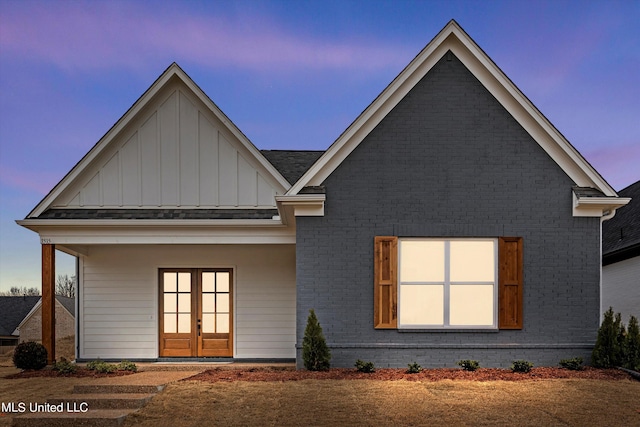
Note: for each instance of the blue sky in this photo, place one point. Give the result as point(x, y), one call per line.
point(290, 74)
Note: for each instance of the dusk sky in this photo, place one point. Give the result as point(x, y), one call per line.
point(290, 75)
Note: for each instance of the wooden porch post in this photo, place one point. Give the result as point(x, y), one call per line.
point(48, 301)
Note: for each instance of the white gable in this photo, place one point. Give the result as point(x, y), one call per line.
point(174, 148)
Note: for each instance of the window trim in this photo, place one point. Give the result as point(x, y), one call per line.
point(447, 283)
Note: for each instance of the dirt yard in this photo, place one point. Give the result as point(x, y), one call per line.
point(564, 402)
point(284, 397)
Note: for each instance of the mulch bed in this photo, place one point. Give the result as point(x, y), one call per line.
point(385, 374)
point(482, 374)
point(80, 373)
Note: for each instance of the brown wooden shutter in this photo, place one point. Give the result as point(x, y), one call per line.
point(385, 294)
point(510, 282)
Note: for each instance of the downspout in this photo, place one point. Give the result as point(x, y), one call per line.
point(77, 303)
point(605, 217)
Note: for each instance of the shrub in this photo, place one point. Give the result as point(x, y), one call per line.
point(414, 368)
point(632, 345)
point(608, 351)
point(64, 367)
point(366, 367)
point(574, 364)
point(30, 355)
point(315, 352)
point(91, 365)
point(101, 367)
point(522, 366)
point(469, 365)
point(125, 365)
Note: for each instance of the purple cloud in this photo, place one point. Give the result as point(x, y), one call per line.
point(28, 180)
point(87, 36)
point(616, 163)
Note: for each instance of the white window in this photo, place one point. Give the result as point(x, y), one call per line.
point(448, 283)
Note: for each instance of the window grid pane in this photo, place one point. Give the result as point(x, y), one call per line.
point(467, 293)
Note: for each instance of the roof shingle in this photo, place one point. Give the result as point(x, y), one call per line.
point(292, 164)
point(158, 214)
point(13, 310)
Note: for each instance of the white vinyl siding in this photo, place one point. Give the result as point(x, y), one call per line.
point(119, 297)
point(621, 288)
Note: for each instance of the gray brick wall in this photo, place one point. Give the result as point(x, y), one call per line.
point(449, 161)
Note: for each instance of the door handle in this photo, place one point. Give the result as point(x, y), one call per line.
point(199, 327)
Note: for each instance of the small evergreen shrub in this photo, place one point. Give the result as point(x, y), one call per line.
point(469, 365)
point(315, 352)
point(609, 349)
point(632, 345)
point(64, 367)
point(574, 364)
point(91, 365)
point(414, 368)
point(366, 367)
point(101, 367)
point(30, 355)
point(521, 366)
point(125, 365)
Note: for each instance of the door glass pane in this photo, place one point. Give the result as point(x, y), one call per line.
point(222, 323)
point(184, 282)
point(170, 322)
point(208, 283)
point(421, 261)
point(170, 303)
point(422, 304)
point(184, 323)
point(471, 305)
point(472, 261)
point(208, 323)
point(170, 282)
point(222, 282)
point(208, 303)
point(184, 303)
point(223, 303)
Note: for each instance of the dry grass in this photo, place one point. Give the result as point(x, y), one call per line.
point(370, 402)
point(558, 402)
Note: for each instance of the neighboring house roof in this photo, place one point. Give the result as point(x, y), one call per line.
point(69, 304)
point(13, 310)
point(454, 39)
point(292, 164)
point(621, 234)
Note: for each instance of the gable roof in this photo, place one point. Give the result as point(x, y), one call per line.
point(170, 76)
point(621, 234)
point(13, 309)
point(69, 304)
point(453, 38)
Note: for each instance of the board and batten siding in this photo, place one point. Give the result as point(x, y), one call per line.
point(176, 153)
point(118, 304)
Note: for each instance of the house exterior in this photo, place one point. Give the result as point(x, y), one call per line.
point(13, 309)
point(621, 257)
point(451, 220)
point(30, 328)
